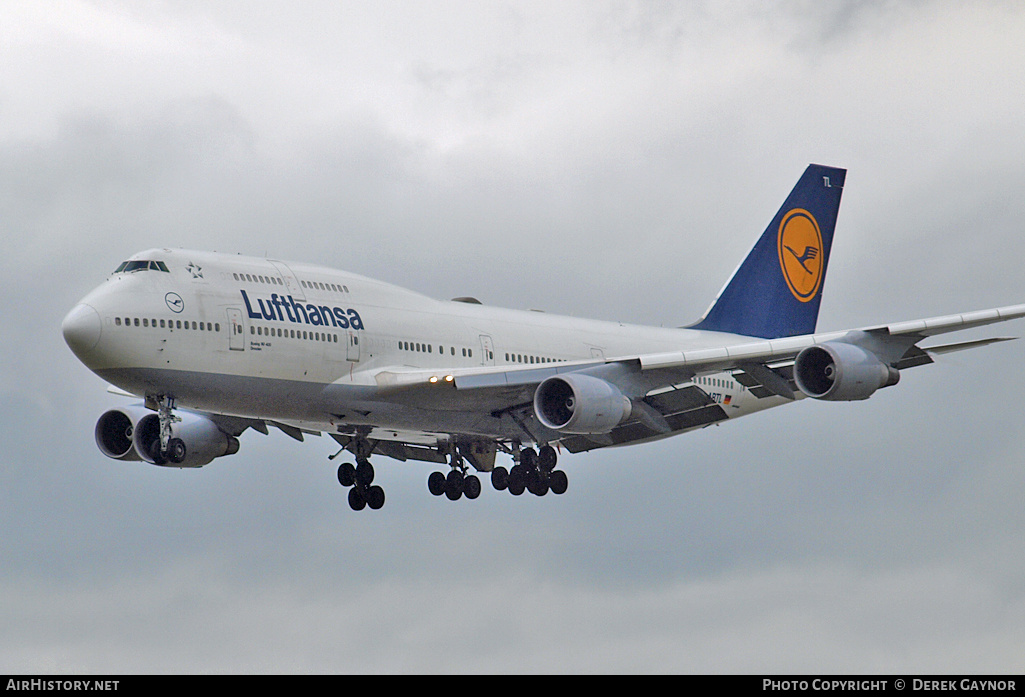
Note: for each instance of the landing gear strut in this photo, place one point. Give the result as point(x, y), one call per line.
point(361, 478)
point(166, 448)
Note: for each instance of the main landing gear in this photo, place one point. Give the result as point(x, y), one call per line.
point(457, 483)
point(534, 472)
point(361, 478)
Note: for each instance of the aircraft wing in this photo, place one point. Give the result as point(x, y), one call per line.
point(659, 385)
point(893, 341)
point(887, 339)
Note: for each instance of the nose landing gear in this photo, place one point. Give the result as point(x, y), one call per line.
point(163, 447)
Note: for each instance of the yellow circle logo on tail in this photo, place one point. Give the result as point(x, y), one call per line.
point(800, 253)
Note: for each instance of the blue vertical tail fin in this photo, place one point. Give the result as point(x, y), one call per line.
point(776, 291)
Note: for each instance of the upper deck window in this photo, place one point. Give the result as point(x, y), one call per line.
point(130, 266)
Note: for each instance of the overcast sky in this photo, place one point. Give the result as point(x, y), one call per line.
point(601, 159)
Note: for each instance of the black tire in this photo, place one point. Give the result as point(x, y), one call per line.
point(547, 458)
point(471, 486)
point(454, 481)
point(517, 482)
point(528, 458)
point(346, 474)
point(154, 452)
point(454, 485)
point(176, 450)
point(558, 482)
point(375, 497)
point(533, 479)
point(436, 483)
point(364, 473)
point(500, 478)
point(357, 501)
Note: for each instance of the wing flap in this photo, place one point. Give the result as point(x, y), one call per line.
point(679, 400)
point(684, 409)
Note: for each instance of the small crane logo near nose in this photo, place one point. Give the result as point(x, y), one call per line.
point(174, 302)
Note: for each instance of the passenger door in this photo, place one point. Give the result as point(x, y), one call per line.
point(352, 350)
point(236, 330)
point(487, 349)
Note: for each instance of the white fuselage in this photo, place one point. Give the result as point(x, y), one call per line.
point(315, 347)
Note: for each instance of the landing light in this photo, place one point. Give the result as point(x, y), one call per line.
point(434, 379)
point(449, 378)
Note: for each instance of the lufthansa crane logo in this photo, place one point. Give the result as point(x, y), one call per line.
point(174, 302)
point(800, 253)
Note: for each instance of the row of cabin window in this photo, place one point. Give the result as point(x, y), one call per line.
point(293, 334)
point(167, 324)
point(325, 286)
point(253, 278)
point(520, 358)
point(429, 348)
point(273, 280)
point(713, 382)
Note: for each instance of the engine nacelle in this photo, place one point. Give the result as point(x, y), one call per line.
point(580, 404)
point(841, 372)
point(200, 441)
point(115, 430)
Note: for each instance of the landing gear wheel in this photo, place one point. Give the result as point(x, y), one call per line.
point(517, 481)
point(500, 478)
point(176, 450)
point(436, 483)
point(471, 486)
point(375, 497)
point(454, 485)
point(539, 486)
point(364, 473)
point(357, 501)
point(346, 474)
point(155, 454)
point(547, 458)
point(558, 481)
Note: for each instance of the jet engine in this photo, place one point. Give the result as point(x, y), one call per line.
point(114, 431)
point(841, 372)
point(194, 442)
point(580, 404)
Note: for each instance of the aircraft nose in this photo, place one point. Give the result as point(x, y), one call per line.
point(81, 329)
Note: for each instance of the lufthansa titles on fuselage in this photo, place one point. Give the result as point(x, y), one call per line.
point(286, 309)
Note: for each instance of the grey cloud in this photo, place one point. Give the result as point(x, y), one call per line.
point(612, 161)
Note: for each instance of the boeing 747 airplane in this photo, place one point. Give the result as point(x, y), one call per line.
point(215, 344)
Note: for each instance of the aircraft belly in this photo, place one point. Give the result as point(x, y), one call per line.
point(334, 407)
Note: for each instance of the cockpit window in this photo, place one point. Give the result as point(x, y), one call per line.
point(130, 266)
